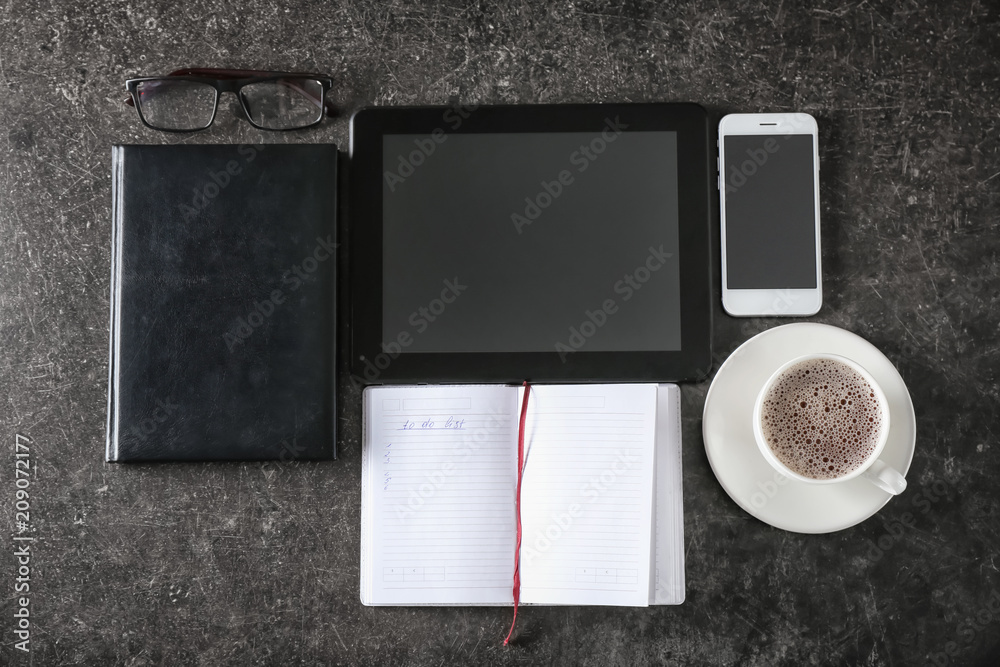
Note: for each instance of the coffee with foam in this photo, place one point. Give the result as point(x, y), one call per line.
point(822, 419)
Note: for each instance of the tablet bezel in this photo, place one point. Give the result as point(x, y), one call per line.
point(374, 363)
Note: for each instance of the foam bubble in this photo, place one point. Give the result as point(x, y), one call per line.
point(822, 419)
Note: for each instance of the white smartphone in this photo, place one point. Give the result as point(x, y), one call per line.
point(769, 193)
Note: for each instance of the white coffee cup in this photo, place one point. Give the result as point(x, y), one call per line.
point(874, 470)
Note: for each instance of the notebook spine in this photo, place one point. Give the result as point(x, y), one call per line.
point(117, 199)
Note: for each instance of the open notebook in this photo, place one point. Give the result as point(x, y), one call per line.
point(601, 510)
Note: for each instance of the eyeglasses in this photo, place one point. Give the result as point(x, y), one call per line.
point(186, 100)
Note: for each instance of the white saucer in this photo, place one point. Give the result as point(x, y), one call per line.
point(741, 468)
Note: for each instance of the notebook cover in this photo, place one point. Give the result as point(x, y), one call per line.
point(222, 303)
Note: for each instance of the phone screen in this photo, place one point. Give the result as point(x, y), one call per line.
point(770, 211)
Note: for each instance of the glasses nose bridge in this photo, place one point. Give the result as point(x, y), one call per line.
point(232, 87)
point(224, 86)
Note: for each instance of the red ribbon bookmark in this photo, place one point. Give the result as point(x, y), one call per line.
point(517, 508)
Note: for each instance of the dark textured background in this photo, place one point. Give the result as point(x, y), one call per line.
point(251, 564)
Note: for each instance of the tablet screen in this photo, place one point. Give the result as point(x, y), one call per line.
point(531, 242)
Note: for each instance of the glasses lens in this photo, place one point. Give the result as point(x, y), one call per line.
point(284, 104)
point(176, 105)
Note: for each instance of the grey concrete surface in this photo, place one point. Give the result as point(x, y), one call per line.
point(248, 564)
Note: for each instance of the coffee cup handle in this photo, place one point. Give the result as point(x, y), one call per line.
point(886, 478)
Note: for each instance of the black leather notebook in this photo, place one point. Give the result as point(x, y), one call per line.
point(222, 303)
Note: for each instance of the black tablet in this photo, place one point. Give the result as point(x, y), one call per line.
point(546, 243)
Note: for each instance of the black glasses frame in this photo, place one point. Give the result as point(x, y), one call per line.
point(232, 81)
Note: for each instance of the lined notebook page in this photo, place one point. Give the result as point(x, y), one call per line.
point(586, 497)
point(439, 478)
